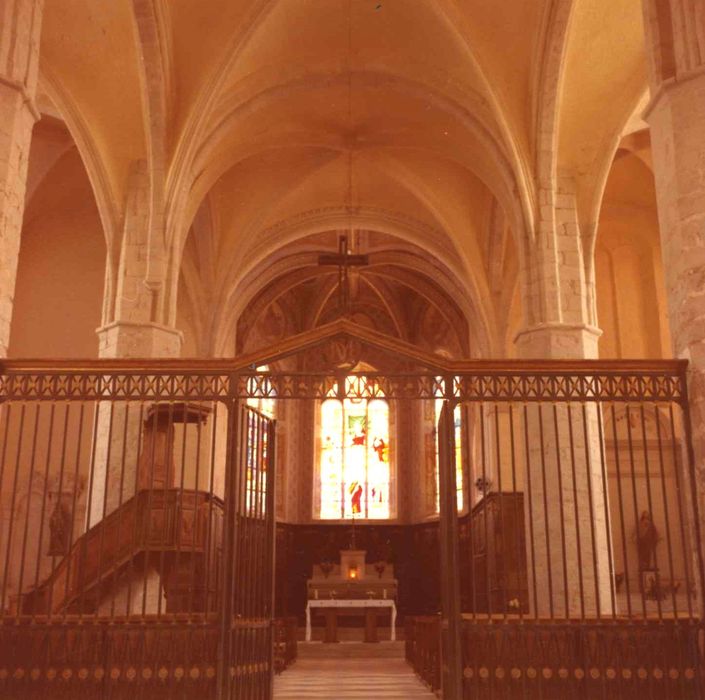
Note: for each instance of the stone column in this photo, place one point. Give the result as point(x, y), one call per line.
point(565, 504)
point(119, 428)
point(20, 23)
point(676, 44)
point(133, 332)
point(116, 464)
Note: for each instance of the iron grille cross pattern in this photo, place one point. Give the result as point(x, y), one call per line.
point(344, 259)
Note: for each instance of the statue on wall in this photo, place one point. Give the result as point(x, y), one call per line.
point(59, 529)
point(647, 538)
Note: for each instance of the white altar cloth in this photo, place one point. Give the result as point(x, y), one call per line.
point(357, 603)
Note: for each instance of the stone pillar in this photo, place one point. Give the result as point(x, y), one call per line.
point(119, 428)
point(558, 341)
point(676, 115)
point(565, 504)
point(20, 23)
point(125, 339)
point(133, 332)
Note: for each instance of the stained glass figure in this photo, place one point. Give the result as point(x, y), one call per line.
point(354, 459)
point(356, 491)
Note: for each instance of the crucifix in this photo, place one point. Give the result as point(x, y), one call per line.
point(344, 259)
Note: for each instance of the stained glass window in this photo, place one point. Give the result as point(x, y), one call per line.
point(257, 476)
point(354, 461)
point(256, 485)
point(457, 424)
point(266, 405)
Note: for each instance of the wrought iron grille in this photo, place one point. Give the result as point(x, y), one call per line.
point(592, 381)
point(137, 526)
point(127, 517)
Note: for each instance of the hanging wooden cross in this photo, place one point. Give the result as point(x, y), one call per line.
point(344, 260)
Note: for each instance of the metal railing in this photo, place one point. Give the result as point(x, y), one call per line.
point(285, 642)
point(137, 525)
point(118, 576)
point(422, 648)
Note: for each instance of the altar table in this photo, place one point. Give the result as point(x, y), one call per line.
point(331, 606)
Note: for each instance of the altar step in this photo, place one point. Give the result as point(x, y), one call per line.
point(350, 631)
point(350, 671)
point(350, 650)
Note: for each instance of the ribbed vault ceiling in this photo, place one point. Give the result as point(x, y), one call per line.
point(274, 120)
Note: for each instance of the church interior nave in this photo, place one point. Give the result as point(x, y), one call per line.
point(352, 328)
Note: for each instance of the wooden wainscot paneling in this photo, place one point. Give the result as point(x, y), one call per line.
point(492, 558)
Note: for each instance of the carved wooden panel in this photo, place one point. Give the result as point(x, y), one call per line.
point(493, 556)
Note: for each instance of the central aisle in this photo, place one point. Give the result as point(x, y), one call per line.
point(351, 671)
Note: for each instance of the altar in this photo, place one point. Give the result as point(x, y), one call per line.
point(332, 609)
point(352, 588)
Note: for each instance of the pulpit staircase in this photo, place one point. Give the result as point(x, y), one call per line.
point(175, 531)
point(172, 530)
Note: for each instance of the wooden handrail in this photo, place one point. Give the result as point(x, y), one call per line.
point(101, 553)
